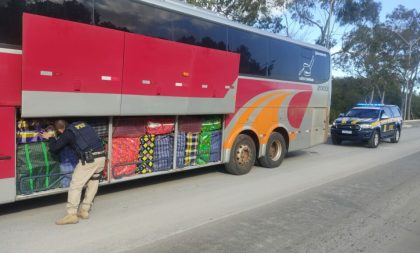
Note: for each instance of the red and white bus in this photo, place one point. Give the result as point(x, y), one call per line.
point(171, 87)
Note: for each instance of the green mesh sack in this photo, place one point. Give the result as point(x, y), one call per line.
point(36, 168)
point(211, 123)
point(204, 148)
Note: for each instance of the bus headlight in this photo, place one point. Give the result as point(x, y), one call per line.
point(366, 126)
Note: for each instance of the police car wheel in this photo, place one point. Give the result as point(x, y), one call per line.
point(374, 140)
point(397, 136)
point(274, 152)
point(336, 140)
point(242, 155)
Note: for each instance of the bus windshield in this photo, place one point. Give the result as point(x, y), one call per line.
point(363, 113)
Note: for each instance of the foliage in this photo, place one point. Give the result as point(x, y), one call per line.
point(348, 91)
point(249, 12)
point(387, 57)
point(328, 15)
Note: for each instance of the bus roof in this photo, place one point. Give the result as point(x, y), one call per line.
point(217, 18)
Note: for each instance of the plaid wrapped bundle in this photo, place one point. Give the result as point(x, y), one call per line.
point(164, 150)
point(100, 126)
point(124, 152)
point(191, 149)
point(204, 148)
point(190, 124)
point(216, 146)
point(180, 150)
point(146, 155)
point(129, 127)
point(36, 169)
point(211, 123)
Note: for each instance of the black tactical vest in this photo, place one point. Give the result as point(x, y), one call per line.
point(86, 138)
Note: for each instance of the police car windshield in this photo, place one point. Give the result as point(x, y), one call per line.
point(363, 113)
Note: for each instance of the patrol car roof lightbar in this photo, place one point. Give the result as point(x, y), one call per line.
point(362, 104)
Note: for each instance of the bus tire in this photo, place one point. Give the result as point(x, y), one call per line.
point(397, 135)
point(242, 155)
point(275, 151)
point(374, 140)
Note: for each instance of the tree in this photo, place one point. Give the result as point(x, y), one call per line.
point(381, 54)
point(328, 15)
point(405, 27)
point(249, 12)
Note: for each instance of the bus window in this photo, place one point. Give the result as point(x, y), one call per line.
point(283, 60)
point(11, 22)
point(321, 67)
point(253, 49)
point(198, 32)
point(135, 17)
point(78, 10)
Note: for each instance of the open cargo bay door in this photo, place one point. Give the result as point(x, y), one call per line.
point(166, 77)
point(73, 69)
point(70, 69)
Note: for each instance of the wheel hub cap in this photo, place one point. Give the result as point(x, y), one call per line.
point(243, 154)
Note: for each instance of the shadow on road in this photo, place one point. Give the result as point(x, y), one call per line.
point(107, 189)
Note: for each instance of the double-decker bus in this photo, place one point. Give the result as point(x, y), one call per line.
point(169, 87)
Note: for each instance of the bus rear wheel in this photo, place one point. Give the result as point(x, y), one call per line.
point(242, 155)
point(275, 151)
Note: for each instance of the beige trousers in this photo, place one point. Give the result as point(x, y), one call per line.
point(81, 176)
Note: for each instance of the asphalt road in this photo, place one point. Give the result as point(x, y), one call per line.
point(328, 198)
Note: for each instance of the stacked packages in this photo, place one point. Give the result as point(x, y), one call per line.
point(36, 168)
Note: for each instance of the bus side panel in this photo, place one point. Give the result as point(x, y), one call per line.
point(164, 77)
point(7, 155)
point(11, 79)
point(70, 68)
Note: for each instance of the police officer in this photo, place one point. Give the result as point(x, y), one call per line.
point(89, 147)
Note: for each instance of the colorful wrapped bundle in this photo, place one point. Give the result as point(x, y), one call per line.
point(204, 148)
point(30, 131)
point(191, 149)
point(120, 171)
point(216, 146)
point(164, 150)
point(180, 150)
point(36, 168)
point(190, 124)
point(161, 125)
point(146, 154)
point(129, 127)
point(124, 152)
point(211, 123)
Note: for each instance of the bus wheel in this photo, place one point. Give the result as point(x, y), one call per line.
point(242, 155)
point(374, 140)
point(275, 151)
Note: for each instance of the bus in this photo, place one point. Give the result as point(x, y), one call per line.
point(169, 87)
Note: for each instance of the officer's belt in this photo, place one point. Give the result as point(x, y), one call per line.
point(99, 154)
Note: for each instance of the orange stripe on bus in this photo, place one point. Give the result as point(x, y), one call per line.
point(244, 117)
point(268, 118)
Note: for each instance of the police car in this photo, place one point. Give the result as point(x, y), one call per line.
point(369, 123)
